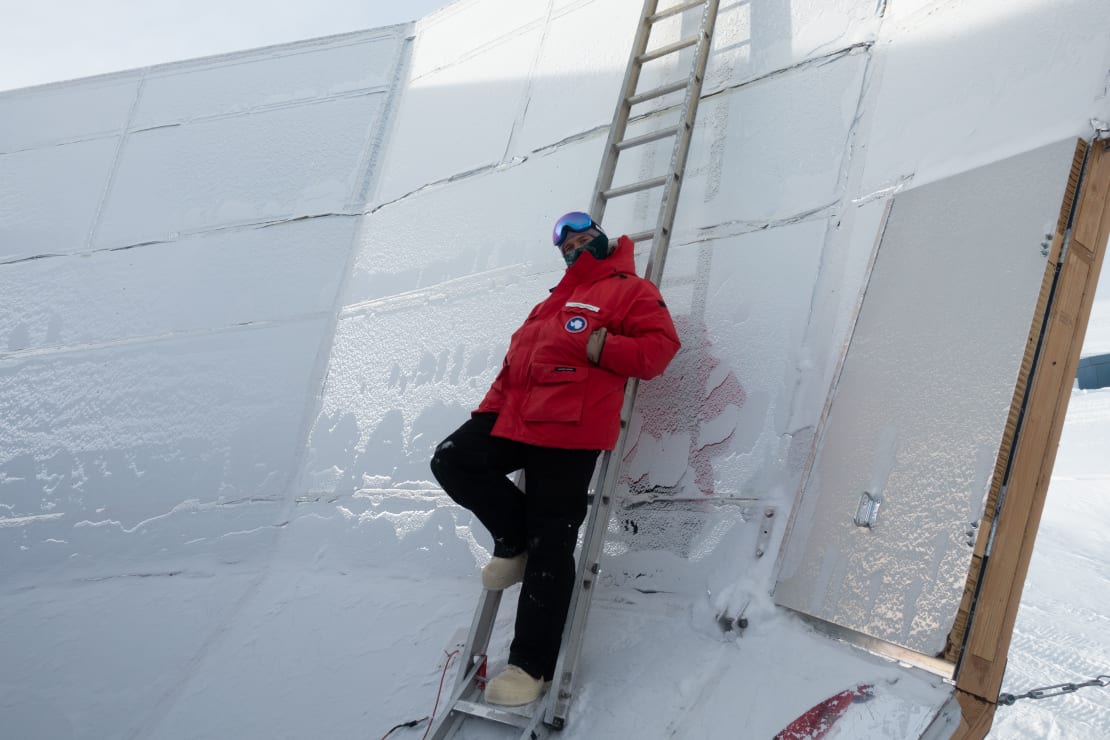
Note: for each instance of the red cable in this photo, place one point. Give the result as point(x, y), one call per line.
point(432, 719)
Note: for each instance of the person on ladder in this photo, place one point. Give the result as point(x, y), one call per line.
point(553, 407)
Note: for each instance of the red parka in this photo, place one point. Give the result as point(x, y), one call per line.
point(548, 393)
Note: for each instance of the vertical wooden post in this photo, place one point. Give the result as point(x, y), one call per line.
point(990, 628)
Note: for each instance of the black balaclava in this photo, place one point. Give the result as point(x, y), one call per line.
point(598, 247)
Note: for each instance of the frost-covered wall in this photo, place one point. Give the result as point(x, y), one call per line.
point(814, 115)
point(172, 242)
point(344, 233)
point(500, 130)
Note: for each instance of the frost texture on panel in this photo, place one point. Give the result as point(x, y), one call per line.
point(707, 439)
point(947, 313)
point(204, 420)
point(394, 393)
point(714, 423)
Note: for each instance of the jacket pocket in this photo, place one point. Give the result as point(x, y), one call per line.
point(556, 393)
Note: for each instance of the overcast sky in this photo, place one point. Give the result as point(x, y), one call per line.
point(49, 40)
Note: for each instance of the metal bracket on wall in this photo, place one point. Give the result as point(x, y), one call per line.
point(868, 510)
point(764, 538)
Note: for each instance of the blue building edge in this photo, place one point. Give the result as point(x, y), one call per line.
point(1094, 372)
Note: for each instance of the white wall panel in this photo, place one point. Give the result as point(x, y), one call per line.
point(578, 73)
point(213, 280)
point(462, 29)
point(273, 164)
point(500, 219)
point(460, 117)
point(297, 72)
point(972, 83)
point(776, 148)
point(49, 197)
point(51, 114)
point(756, 37)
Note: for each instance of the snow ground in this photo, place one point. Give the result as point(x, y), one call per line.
point(1061, 630)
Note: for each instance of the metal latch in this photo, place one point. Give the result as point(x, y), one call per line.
point(868, 510)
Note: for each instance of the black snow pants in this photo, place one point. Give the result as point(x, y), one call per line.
point(472, 466)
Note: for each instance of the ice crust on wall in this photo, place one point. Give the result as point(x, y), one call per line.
point(167, 293)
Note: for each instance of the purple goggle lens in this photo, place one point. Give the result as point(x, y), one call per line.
point(575, 221)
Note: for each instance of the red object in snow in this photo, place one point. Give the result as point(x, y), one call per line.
point(819, 719)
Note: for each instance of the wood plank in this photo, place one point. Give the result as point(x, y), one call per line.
point(958, 633)
point(995, 610)
point(977, 717)
point(1088, 217)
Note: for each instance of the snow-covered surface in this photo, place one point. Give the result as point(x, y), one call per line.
point(243, 298)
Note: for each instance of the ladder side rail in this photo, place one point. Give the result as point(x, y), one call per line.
point(562, 688)
point(589, 565)
point(558, 700)
point(448, 723)
point(481, 629)
point(671, 191)
point(620, 116)
point(477, 644)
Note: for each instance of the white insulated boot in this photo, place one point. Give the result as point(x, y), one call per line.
point(513, 687)
point(500, 573)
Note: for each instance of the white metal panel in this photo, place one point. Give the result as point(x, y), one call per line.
point(922, 402)
point(268, 77)
point(276, 164)
point(43, 116)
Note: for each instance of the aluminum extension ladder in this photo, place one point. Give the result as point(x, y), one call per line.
point(551, 710)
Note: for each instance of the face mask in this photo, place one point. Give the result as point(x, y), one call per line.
point(598, 247)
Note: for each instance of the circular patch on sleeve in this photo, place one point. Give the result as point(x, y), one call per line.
point(576, 325)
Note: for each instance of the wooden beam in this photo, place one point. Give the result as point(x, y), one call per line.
point(977, 716)
point(983, 660)
point(958, 634)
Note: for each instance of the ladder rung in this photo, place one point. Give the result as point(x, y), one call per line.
point(675, 10)
point(635, 187)
point(643, 236)
point(485, 711)
point(658, 92)
point(648, 138)
point(663, 51)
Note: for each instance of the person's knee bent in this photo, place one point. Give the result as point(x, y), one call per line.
point(444, 468)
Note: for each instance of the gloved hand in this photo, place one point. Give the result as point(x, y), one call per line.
point(594, 345)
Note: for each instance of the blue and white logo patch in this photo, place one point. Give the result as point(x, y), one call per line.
point(576, 325)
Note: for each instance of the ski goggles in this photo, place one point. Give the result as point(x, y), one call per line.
point(575, 221)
